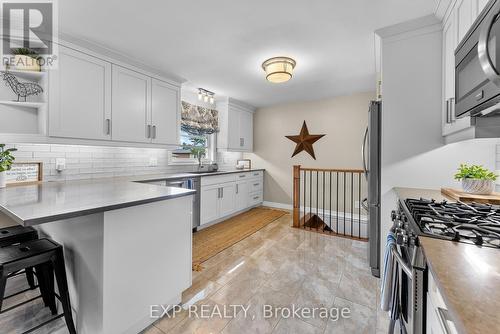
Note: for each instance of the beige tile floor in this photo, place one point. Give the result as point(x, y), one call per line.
point(281, 266)
point(278, 266)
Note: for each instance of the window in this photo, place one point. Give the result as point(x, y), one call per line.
point(192, 146)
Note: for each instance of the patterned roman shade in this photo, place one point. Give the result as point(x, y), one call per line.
point(198, 120)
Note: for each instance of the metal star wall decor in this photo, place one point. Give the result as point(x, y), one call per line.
point(304, 141)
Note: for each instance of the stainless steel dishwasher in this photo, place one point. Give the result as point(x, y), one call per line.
point(189, 183)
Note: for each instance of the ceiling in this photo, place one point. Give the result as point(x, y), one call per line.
point(220, 45)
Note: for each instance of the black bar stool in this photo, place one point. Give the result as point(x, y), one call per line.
point(17, 234)
point(47, 257)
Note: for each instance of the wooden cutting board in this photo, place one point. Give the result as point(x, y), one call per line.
point(459, 195)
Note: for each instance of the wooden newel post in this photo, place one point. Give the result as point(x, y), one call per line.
point(296, 196)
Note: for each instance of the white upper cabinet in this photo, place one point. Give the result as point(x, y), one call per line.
point(236, 126)
point(165, 113)
point(464, 17)
point(131, 106)
point(478, 6)
point(455, 27)
point(80, 96)
point(95, 98)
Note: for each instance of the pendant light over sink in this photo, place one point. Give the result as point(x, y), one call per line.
point(279, 69)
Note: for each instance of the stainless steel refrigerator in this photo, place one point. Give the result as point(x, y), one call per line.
point(371, 165)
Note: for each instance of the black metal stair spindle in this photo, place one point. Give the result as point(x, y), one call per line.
point(337, 207)
point(359, 205)
point(304, 212)
point(352, 202)
point(330, 202)
point(344, 203)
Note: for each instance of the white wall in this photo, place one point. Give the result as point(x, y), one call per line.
point(413, 150)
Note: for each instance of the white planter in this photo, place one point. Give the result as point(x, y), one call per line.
point(479, 187)
point(2, 180)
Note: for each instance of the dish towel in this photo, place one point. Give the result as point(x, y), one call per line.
point(388, 284)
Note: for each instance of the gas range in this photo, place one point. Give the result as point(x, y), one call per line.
point(472, 223)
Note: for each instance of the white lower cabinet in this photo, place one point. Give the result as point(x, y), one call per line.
point(223, 195)
point(209, 203)
point(241, 195)
point(227, 199)
point(437, 317)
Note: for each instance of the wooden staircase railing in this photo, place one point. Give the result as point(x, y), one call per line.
point(329, 201)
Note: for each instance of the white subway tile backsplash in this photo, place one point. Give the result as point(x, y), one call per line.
point(92, 162)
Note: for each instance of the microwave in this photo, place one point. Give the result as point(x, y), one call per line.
point(477, 66)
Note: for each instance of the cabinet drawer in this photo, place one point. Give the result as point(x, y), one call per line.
point(217, 179)
point(255, 198)
point(255, 185)
point(256, 174)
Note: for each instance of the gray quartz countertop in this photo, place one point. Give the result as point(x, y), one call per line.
point(51, 201)
point(404, 193)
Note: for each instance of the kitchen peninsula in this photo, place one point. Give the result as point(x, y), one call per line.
point(113, 232)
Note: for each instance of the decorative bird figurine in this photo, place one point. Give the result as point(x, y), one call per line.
point(22, 89)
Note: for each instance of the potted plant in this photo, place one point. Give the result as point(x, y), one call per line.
point(197, 147)
point(476, 179)
point(26, 60)
point(6, 160)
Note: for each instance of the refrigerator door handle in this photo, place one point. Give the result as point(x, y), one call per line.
point(363, 156)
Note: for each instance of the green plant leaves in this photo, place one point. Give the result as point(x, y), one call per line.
point(474, 172)
point(6, 158)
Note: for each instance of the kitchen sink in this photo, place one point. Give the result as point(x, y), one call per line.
point(205, 171)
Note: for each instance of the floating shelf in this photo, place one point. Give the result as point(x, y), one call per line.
point(28, 75)
point(23, 104)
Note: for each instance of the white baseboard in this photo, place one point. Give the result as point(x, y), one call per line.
point(278, 205)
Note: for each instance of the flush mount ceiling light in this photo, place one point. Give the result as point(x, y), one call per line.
point(279, 69)
point(206, 95)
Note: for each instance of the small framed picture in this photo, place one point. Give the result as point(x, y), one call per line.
point(23, 173)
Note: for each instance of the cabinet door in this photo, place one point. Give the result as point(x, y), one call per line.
point(80, 96)
point(449, 44)
point(131, 105)
point(227, 199)
point(233, 129)
point(246, 131)
point(165, 113)
point(432, 322)
point(241, 196)
point(464, 17)
point(209, 204)
point(478, 6)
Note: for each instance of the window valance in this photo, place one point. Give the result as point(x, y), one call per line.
point(198, 120)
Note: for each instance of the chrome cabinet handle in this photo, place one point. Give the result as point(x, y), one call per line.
point(242, 175)
point(218, 192)
point(363, 147)
point(453, 118)
point(482, 47)
point(242, 141)
point(108, 126)
point(256, 197)
point(256, 184)
point(448, 121)
point(154, 131)
point(237, 188)
point(221, 192)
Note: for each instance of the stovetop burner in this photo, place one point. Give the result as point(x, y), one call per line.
point(465, 222)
